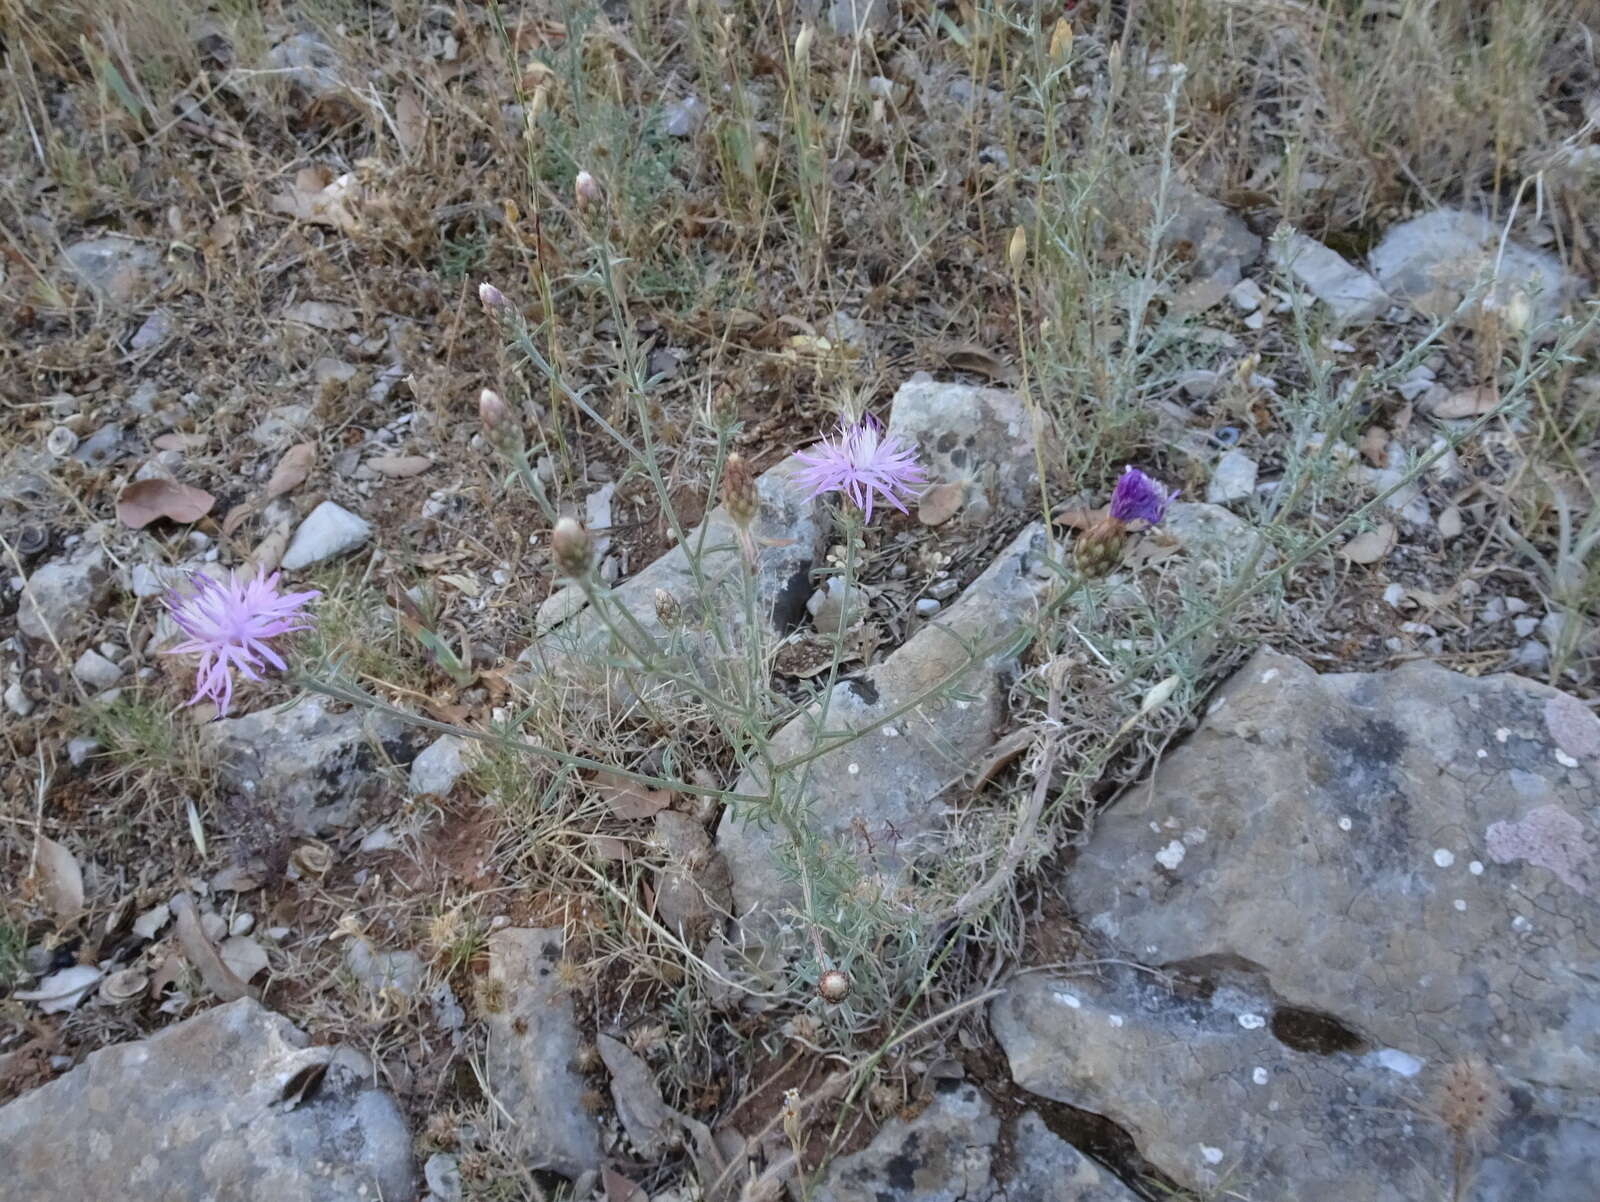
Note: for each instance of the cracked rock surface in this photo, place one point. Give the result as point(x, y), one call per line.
point(895, 774)
point(950, 1152)
point(231, 1104)
point(1355, 880)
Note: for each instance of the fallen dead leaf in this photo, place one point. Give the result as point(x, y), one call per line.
point(322, 315)
point(410, 121)
point(292, 469)
point(1374, 446)
point(235, 517)
point(398, 467)
point(321, 198)
point(1468, 402)
point(60, 879)
point(619, 1188)
point(970, 357)
point(1371, 545)
point(941, 503)
point(172, 440)
point(628, 798)
point(143, 501)
point(197, 949)
point(1079, 519)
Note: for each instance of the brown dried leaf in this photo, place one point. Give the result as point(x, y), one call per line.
point(609, 847)
point(292, 469)
point(143, 501)
point(321, 198)
point(942, 502)
point(1374, 445)
point(410, 121)
point(1079, 519)
point(628, 798)
point(970, 357)
point(197, 949)
point(60, 879)
point(235, 517)
point(619, 1188)
point(398, 467)
point(172, 440)
point(1371, 545)
point(1468, 402)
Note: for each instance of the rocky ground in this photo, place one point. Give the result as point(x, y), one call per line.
point(888, 860)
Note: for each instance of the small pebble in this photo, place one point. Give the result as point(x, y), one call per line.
point(927, 607)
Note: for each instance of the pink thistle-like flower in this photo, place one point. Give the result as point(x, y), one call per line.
point(229, 625)
point(862, 462)
point(1138, 497)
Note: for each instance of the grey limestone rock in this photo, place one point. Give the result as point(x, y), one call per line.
point(532, 1044)
point(233, 1104)
point(1354, 880)
point(317, 768)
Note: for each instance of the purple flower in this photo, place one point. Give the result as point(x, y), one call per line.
point(862, 461)
point(229, 625)
point(1138, 497)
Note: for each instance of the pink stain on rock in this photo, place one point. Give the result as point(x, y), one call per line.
point(1575, 730)
point(1548, 837)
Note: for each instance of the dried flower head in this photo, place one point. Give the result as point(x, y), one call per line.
point(1470, 1099)
point(833, 986)
point(230, 624)
point(500, 425)
point(491, 298)
point(569, 544)
point(862, 463)
point(668, 611)
point(585, 190)
point(739, 495)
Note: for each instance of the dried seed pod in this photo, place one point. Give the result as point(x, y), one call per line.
point(123, 987)
point(833, 986)
point(312, 859)
point(569, 544)
point(1470, 1099)
point(739, 495)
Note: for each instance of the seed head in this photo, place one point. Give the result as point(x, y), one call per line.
point(569, 544)
point(500, 425)
point(668, 611)
point(1470, 1099)
point(739, 495)
point(833, 986)
point(1017, 251)
point(585, 190)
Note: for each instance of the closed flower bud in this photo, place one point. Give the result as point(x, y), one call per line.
point(491, 298)
point(739, 495)
point(1061, 41)
point(500, 425)
point(571, 549)
point(802, 45)
point(1098, 549)
point(585, 190)
point(1017, 252)
point(833, 986)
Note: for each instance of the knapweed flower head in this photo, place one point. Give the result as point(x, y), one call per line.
point(863, 463)
point(491, 298)
point(230, 624)
point(1136, 498)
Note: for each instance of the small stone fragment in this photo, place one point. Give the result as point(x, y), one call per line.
point(1233, 479)
point(1351, 295)
point(439, 765)
point(96, 671)
point(329, 530)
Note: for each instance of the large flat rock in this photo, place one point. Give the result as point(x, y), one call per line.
point(890, 781)
point(229, 1106)
point(1372, 876)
